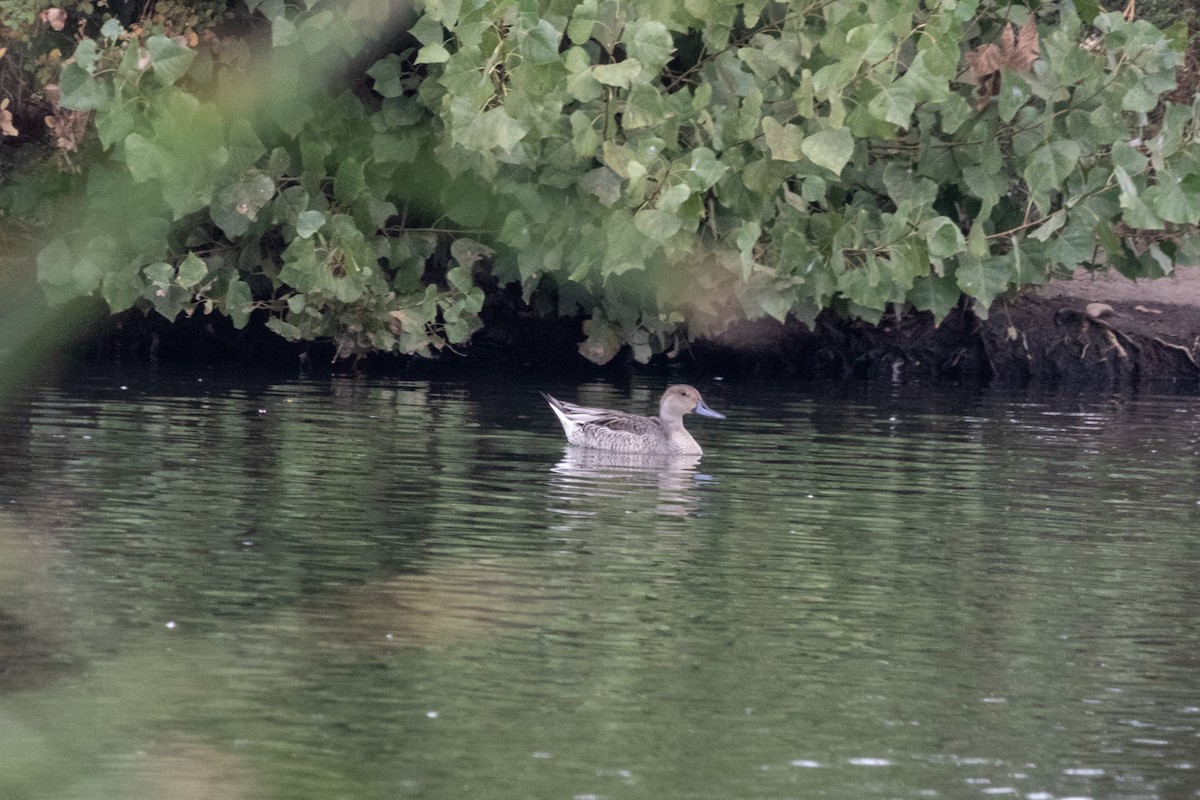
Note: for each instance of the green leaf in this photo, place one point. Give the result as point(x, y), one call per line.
point(234, 207)
point(461, 278)
point(936, 294)
point(239, 303)
point(649, 43)
point(643, 108)
point(86, 54)
point(169, 58)
point(943, 238)
point(604, 183)
point(657, 224)
point(540, 43)
point(830, 149)
point(79, 90)
point(308, 223)
point(192, 270)
point(1170, 199)
point(620, 74)
point(985, 279)
point(143, 157)
point(434, 53)
point(583, 19)
point(784, 141)
point(704, 170)
point(388, 76)
point(954, 111)
point(112, 28)
point(493, 128)
point(1048, 168)
point(121, 288)
point(1087, 10)
point(1046, 229)
point(895, 104)
point(350, 181)
point(467, 252)
point(114, 121)
point(1139, 99)
point(1014, 94)
point(55, 263)
point(283, 32)
point(283, 329)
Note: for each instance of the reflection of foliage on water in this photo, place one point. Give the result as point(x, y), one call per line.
point(377, 583)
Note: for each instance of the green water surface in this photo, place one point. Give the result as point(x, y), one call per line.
point(364, 588)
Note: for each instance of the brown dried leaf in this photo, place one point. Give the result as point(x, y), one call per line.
point(56, 18)
point(69, 128)
point(6, 118)
point(1027, 49)
point(1016, 51)
point(983, 61)
point(1007, 41)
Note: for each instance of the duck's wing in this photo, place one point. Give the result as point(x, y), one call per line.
point(602, 417)
point(620, 421)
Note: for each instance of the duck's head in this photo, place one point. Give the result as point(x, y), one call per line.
point(683, 399)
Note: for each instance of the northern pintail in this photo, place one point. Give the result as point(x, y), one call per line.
point(602, 429)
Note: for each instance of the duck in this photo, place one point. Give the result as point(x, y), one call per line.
point(602, 429)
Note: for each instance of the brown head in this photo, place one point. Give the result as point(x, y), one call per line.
point(682, 399)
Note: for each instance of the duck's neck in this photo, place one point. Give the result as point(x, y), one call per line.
point(680, 440)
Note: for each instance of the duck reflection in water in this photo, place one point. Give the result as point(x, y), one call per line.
point(598, 482)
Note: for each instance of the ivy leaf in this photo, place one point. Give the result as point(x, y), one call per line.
point(283, 32)
point(784, 141)
point(649, 43)
point(308, 223)
point(122, 287)
point(894, 104)
point(350, 181)
point(114, 121)
point(943, 238)
point(583, 19)
point(79, 90)
point(237, 205)
point(620, 74)
point(830, 149)
point(643, 109)
point(55, 264)
point(984, 279)
point(285, 330)
point(492, 128)
point(86, 54)
point(704, 170)
point(603, 183)
point(1048, 168)
point(540, 43)
point(239, 303)
point(935, 293)
point(169, 58)
point(1170, 201)
point(433, 53)
point(657, 224)
point(192, 270)
point(143, 157)
point(388, 76)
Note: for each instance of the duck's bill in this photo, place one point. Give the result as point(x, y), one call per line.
point(705, 411)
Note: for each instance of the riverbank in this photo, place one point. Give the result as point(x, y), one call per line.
point(1100, 330)
point(1093, 331)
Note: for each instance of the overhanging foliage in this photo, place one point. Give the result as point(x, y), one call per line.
point(664, 169)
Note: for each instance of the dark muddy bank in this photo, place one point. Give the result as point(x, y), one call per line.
point(1031, 340)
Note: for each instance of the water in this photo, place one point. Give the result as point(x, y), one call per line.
point(356, 588)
